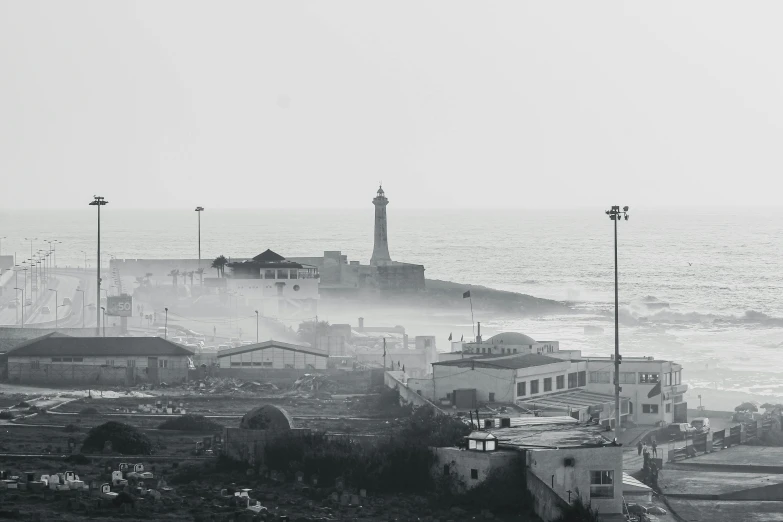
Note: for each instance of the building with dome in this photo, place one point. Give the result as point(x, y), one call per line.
point(505, 343)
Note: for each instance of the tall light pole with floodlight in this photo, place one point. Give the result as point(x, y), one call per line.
point(104, 320)
point(98, 201)
point(166, 324)
point(199, 210)
point(256, 326)
point(22, 290)
point(615, 214)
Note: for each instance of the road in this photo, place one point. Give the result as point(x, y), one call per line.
point(66, 283)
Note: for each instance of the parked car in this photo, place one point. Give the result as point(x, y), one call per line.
point(679, 430)
point(45, 310)
point(701, 424)
point(66, 301)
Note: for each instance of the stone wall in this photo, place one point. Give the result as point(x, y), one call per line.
point(400, 277)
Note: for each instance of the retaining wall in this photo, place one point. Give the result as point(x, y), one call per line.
point(546, 503)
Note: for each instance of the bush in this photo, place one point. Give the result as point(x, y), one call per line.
point(578, 511)
point(89, 411)
point(125, 439)
point(23, 404)
point(78, 459)
point(70, 428)
point(504, 491)
point(190, 423)
point(6, 415)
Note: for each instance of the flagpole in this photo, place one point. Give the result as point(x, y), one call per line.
point(384, 354)
point(470, 298)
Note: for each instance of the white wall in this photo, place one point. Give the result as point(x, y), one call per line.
point(484, 380)
point(462, 462)
point(540, 373)
point(548, 465)
point(274, 358)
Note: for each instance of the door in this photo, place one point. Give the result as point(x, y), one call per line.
point(152, 370)
point(681, 412)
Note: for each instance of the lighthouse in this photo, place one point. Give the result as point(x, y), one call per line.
point(380, 251)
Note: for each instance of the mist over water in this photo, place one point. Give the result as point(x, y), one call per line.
point(695, 285)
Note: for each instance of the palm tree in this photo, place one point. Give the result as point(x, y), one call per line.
point(174, 274)
point(219, 264)
point(200, 273)
point(190, 275)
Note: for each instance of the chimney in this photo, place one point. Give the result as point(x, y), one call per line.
point(478, 337)
point(361, 323)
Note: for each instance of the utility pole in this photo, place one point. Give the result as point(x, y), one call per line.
point(256, 326)
point(22, 289)
point(104, 319)
point(99, 202)
point(56, 306)
point(615, 214)
point(83, 313)
point(199, 210)
point(166, 325)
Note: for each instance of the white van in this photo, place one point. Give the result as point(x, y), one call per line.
point(701, 424)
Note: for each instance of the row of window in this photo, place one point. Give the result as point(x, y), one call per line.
point(575, 380)
point(601, 482)
point(653, 408)
point(268, 364)
point(67, 359)
point(630, 378)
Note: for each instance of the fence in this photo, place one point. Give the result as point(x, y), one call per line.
point(744, 433)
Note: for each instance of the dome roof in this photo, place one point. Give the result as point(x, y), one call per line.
point(267, 417)
point(512, 338)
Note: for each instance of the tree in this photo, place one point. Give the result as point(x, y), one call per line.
point(746, 406)
point(219, 264)
point(306, 330)
point(200, 273)
point(578, 511)
point(190, 275)
point(174, 274)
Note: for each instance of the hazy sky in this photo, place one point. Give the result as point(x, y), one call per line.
point(451, 104)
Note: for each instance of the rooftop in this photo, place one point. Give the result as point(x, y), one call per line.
point(271, 344)
point(574, 399)
point(550, 432)
point(60, 344)
point(509, 363)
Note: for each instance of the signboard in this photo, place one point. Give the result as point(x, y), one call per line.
point(121, 305)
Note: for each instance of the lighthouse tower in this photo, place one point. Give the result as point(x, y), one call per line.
point(380, 251)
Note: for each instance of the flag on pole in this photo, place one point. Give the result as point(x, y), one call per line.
point(466, 295)
point(449, 336)
point(461, 337)
point(384, 347)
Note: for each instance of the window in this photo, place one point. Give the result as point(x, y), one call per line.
point(256, 364)
point(282, 274)
point(533, 387)
point(34, 365)
point(600, 377)
point(491, 396)
point(650, 408)
point(78, 359)
point(677, 377)
point(56, 359)
point(474, 474)
point(247, 364)
point(294, 274)
point(236, 364)
point(521, 389)
point(627, 378)
point(548, 384)
point(515, 350)
point(667, 379)
point(67, 359)
point(668, 407)
point(677, 398)
point(163, 363)
point(582, 378)
point(131, 363)
point(268, 364)
point(572, 380)
point(269, 274)
point(446, 470)
point(560, 382)
point(109, 362)
point(649, 378)
point(602, 484)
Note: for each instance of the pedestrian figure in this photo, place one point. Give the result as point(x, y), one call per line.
point(655, 448)
point(645, 450)
point(639, 447)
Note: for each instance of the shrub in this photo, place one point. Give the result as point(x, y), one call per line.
point(504, 491)
point(23, 404)
point(78, 459)
point(578, 511)
point(125, 439)
point(89, 411)
point(190, 422)
point(70, 428)
point(6, 415)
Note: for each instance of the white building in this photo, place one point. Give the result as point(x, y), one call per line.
point(272, 355)
point(273, 285)
point(653, 386)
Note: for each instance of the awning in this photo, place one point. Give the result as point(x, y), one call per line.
point(631, 485)
point(571, 400)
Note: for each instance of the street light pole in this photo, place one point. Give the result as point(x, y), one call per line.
point(615, 214)
point(104, 320)
point(256, 326)
point(166, 324)
point(99, 202)
point(85, 260)
point(56, 306)
point(199, 210)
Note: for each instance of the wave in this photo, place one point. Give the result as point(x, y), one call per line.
point(750, 317)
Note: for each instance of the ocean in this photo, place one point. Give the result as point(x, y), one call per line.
point(700, 286)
